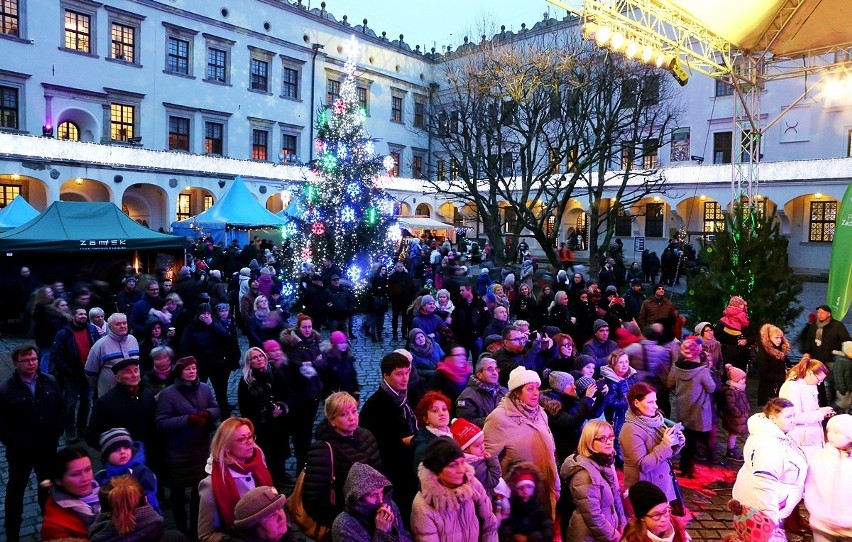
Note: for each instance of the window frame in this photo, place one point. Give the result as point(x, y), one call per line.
point(122, 123)
point(208, 122)
point(396, 109)
point(221, 45)
point(623, 222)
point(826, 223)
point(14, 14)
point(713, 218)
point(419, 112)
point(727, 154)
point(332, 91)
point(723, 87)
point(627, 155)
point(649, 223)
point(123, 98)
point(260, 58)
point(363, 94)
point(257, 146)
point(184, 201)
point(8, 192)
point(286, 131)
point(650, 153)
point(84, 10)
point(130, 21)
point(257, 126)
point(186, 35)
point(15, 110)
point(173, 135)
point(289, 64)
point(59, 131)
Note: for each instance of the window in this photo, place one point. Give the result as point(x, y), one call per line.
point(68, 130)
point(421, 210)
point(259, 75)
point(823, 219)
point(9, 23)
point(9, 107)
point(332, 92)
point(714, 220)
point(628, 154)
point(395, 171)
point(722, 143)
point(8, 192)
point(290, 85)
point(289, 145)
point(396, 108)
point(217, 64)
point(78, 31)
point(582, 229)
point(213, 138)
point(259, 144)
point(178, 134)
point(758, 204)
point(507, 164)
point(555, 163)
point(208, 202)
point(184, 206)
point(362, 99)
point(454, 169)
point(417, 166)
point(177, 60)
point(650, 159)
point(750, 143)
point(623, 222)
point(442, 170)
point(654, 219)
point(123, 42)
point(510, 218)
point(724, 86)
point(420, 114)
point(121, 121)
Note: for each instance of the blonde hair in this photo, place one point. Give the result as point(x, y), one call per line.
point(223, 436)
point(336, 403)
point(800, 370)
point(122, 495)
point(247, 376)
point(613, 357)
point(590, 432)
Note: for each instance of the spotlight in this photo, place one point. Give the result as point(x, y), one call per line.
point(632, 49)
point(602, 35)
point(647, 54)
point(678, 71)
point(660, 60)
point(618, 41)
point(589, 31)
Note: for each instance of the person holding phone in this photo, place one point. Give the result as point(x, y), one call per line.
point(648, 441)
point(802, 389)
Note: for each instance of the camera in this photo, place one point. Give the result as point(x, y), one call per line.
point(600, 384)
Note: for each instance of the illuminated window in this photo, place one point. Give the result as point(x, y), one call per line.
point(654, 215)
point(68, 130)
point(422, 210)
point(208, 202)
point(628, 154)
point(184, 206)
point(510, 218)
point(454, 169)
point(714, 220)
point(8, 192)
point(417, 166)
point(332, 92)
point(123, 42)
point(395, 171)
point(78, 31)
point(259, 144)
point(178, 134)
point(121, 121)
point(213, 138)
point(555, 164)
point(582, 230)
point(9, 107)
point(823, 219)
point(9, 18)
point(288, 147)
point(551, 223)
point(650, 158)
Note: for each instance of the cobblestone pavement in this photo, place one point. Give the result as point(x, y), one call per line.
point(706, 495)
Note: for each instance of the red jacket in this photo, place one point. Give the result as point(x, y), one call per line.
point(62, 523)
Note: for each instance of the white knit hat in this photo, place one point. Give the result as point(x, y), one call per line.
point(521, 376)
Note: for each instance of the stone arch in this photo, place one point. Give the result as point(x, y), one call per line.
point(795, 216)
point(84, 189)
point(401, 208)
point(85, 122)
point(33, 189)
point(423, 209)
point(146, 204)
point(195, 203)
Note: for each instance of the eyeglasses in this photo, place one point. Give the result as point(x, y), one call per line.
point(610, 438)
point(516, 339)
point(246, 439)
point(666, 512)
point(154, 289)
point(563, 345)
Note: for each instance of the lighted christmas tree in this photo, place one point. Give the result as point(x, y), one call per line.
point(347, 217)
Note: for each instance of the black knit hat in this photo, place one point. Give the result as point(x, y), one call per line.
point(644, 496)
point(441, 452)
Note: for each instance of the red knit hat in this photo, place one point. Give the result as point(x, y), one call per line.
point(464, 432)
point(525, 479)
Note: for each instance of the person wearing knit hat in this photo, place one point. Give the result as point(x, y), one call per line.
point(521, 376)
point(690, 348)
point(113, 439)
point(440, 453)
point(699, 329)
point(182, 364)
point(558, 380)
point(584, 365)
point(600, 346)
point(582, 384)
point(652, 519)
point(259, 515)
point(338, 337)
point(736, 412)
point(120, 455)
point(599, 323)
point(465, 433)
point(694, 386)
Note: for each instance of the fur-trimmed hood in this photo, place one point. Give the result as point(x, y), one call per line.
point(443, 499)
point(774, 351)
point(290, 338)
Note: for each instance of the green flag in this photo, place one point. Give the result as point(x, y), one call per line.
point(840, 272)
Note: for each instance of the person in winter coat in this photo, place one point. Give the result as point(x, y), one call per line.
point(369, 513)
point(735, 333)
point(801, 390)
point(566, 412)
point(451, 506)
point(524, 307)
point(620, 376)
point(736, 411)
point(820, 339)
point(486, 467)
point(186, 413)
point(125, 515)
point(73, 503)
point(498, 323)
point(379, 286)
point(653, 362)
point(482, 394)
point(528, 519)
point(517, 429)
point(652, 519)
point(600, 346)
point(590, 476)
point(655, 308)
point(649, 441)
point(107, 351)
point(452, 375)
point(843, 377)
point(694, 387)
point(211, 345)
point(261, 396)
point(426, 351)
point(302, 345)
point(771, 362)
point(340, 444)
point(425, 317)
point(828, 486)
point(120, 455)
point(772, 479)
point(264, 324)
point(433, 415)
point(337, 368)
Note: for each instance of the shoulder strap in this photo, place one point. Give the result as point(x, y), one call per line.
point(331, 459)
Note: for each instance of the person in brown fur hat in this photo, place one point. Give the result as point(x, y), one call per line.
point(771, 362)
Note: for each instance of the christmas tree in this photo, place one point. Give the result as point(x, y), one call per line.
point(347, 217)
point(749, 259)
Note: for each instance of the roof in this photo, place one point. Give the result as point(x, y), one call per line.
point(422, 223)
point(237, 208)
point(785, 28)
point(74, 226)
point(18, 212)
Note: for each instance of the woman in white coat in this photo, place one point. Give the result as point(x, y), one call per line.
point(772, 479)
point(828, 488)
point(801, 390)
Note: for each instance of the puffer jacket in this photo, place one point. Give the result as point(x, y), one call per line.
point(737, 410)
point(463, 514)
point(807, 432)
point(357, 522)
point(300, 350)
point(477, 400)
point(772, 479)
point(187, 446)
point(694, 389)
point(827, 492)
point(842, 372)
point(361, 447)
point(599, 516)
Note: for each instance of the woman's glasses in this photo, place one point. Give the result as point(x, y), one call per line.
point(664, 513)
point(245, 439)
point(605, 439)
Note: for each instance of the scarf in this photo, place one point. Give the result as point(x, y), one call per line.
point(224, 489)
point(438, 433)
point(739, 385)
point(87, 507)
point(820, 327)
point(653, 425)
point(424, 351)
point(604, 460)
point(456, 374)
point(477, 383)
point(401, 400)
point(531, 412)
point(734, 318)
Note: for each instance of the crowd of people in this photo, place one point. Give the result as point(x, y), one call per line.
point(506, 409)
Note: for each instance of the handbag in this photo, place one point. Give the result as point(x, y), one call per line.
point(677, 504)
point(296, 506)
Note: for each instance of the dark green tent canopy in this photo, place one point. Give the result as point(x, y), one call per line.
point(73, 226)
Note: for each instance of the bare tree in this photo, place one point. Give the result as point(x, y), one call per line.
point(527, 125)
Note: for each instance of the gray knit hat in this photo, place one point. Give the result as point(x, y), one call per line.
point(559, 381)
point(113, 439)
point(599, 323)
point(257, 504)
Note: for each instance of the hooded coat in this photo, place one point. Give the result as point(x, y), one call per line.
point(771, 363)
point(772, 479)
point(149, 527)
point(807, 432)
point(357, 522)
point(599, 516)
point(827, 492)
point(462, 514)
point(694, 387)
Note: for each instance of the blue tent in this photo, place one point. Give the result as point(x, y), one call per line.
point(232, 217)
point(18, 212)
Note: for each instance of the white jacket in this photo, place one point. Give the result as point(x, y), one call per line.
point(828, 492)
point(772, 479)
point(808, 432)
